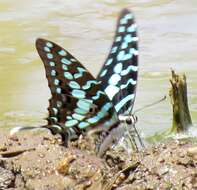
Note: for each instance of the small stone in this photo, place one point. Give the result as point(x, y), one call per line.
point(14, 138)
point(192, 151)
point(63, 166)
point(41, 155)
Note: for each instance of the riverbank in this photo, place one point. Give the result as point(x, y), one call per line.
point(37, 161)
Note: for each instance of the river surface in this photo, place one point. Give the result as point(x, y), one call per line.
point(168, 39)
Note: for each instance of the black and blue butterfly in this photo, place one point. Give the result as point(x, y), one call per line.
point(80, 102)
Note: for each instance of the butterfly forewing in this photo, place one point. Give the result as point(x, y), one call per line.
point(118, 75)
point(77, 99)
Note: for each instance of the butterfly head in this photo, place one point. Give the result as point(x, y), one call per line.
point(129, 119)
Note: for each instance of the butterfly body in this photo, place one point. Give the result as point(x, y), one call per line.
point(79, 102)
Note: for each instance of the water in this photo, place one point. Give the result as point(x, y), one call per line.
point(168, 39)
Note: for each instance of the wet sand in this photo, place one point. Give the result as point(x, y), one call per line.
point(37, 160)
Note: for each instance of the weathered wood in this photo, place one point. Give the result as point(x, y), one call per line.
point(178, 94)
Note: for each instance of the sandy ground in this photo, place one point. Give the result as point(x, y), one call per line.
point(38, 161)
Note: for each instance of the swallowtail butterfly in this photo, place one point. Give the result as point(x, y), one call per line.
point(79, 102)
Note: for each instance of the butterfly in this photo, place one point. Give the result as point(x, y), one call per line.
point(79, 102)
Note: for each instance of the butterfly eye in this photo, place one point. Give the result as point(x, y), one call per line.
point(129, 121)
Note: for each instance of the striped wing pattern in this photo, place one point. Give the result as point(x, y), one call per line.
point(77, 99)
point(118, 75)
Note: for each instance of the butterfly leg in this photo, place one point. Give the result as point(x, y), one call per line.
point(138, 136)
point(131, 136)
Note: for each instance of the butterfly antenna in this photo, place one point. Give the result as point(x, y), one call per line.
point(150, 105)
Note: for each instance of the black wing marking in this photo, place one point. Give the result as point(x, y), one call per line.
point(77, 99)
point(119, 73)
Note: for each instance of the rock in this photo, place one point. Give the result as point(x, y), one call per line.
point(192, 151)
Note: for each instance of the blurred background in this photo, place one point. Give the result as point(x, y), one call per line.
point(168, 39)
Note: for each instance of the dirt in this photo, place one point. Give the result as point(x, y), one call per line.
point(38, 161)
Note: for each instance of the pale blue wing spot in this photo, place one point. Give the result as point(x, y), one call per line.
point(64, 67)
point(93, 120)
point(135, 39)
point(81, 70)
point(129, 16)
point(133, 51)
point(77, 75)
point(69, 117)
point(47, 49)
point(81, 111)
point(101, 114)
point(80, 73)
point(58, 90)
point(68, 75)
point(114, 79)
point(51, 63)
point(120, 104)
point(128, 56)
point(118, 68)
point(104, 72)
point(109, 61)
point(118, 38)
point(66, 61)
point(83, 125)
point(120, 56)
point(111, 91)
point(49, 44)
point(55, 111)
point(130, 81)
point(62, 52)
point(49, 55)
point(71, 123)
point(73, 60)
point(56, 82)
point(78, 93)
point(98, 94)
point(128, 38)
point(124, 45)
point(74, 85)
point(84, 104)
point(121, 29)
point(78, 117)
point(106, 107)
point(89, 83)
point(114, 49)
point(123, 21)
point(129, 69)
point(53, 73)
point(132, 28)
point(59, 104)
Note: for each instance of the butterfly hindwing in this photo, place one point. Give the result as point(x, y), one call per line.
point(77, 99)
point(118, 75)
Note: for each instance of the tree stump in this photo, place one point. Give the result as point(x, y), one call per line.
point(178, 94)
